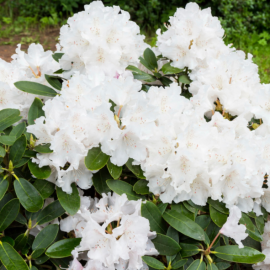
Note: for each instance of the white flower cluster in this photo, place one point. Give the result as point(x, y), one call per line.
point(188, 149)
point(100, 39)
point(114, 234)
point(31, 66)
point(265, 265)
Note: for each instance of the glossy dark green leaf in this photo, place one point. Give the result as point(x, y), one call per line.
point(99, 181)
point(220, 206)
point(245, 220)
point(239, 255)
point(70, 202)
point(115, 171)
point(162, 207)
point(152, 262)
point(120, 187)
point(7, 140)
point(21, 241)
point(22, 162)
point(33, 268)
point(43, 148)
point(218, 218)
point(150, 58)
point(144, 62)
point(8, 197)
point(173, 233)
point(179, 263)
point(180, 208)
point(17, 149)
point(30, 153)
point(44, 187)
point(211, 266)
point(197, 265)
point(212, 230)
point(141, 187)
point(29, 197)
point(165, 81)
point(9, 240)
point(136, 169)
point(54, 81)
point(184, 225)
point(168, 69)
point(3, 187)
point(57, 56)
point(199, 207)
point(203, 221)
point(188, 250)
point(165, 245)
point(21, 219)
point(62, 262)
point(184, 79)
point(40, 173)
point(37, 253)
point(260, 224)
point(95, 159)
point(9, 117)
point(35, 111)
point(62, 248)
point(42, 259)
point(151, 212)
point(45, 237)
point(8, 213)
point(10, 258)
point(18, 130)
point(141, 75)
point(255, 235)
point(2, 151)
point(35, 88)
point(50, 212)
point(223, 265)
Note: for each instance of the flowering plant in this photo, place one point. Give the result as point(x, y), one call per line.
point(115, 155)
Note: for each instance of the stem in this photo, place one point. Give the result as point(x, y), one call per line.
point(208, 250)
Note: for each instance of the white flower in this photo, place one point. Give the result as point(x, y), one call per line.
point(232, 229)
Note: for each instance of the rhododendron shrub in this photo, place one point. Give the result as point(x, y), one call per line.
point(115, 155)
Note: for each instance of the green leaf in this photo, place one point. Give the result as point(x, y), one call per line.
point(141, 75)
point(62, 262)
point(152, 262)
point(3, 187)
point(21, 241)
point(188, 250)
point(144, 62)
point(8, 213)
point(136, 169)
point(184, 79)
point(8, 197)
point(178, 264)
point(220, 206)
point(2, 151)
point(168, 69)
point(239, 255)
point(35, 88)
point(184, 225)
point(165, 81)
point(165, 245)
point(50, 212)
point(203, 221)
point(211, 266)
point(40, 173)
point(150, 58)
point(7, 140)
point(57, 56)
point(245, 220)
point(197, 265)
point(21, 219)
point(9, 117)
point(99, 181)
point(9, 240)
point(95, 159)
point(255, 235)
point(223, 265)
point(35, 111)
point(44, 187)
point(180, 208)
point(212, 230)
point(120, 187)
point(115, 171)
point(10, 258)
point(29, 197)
point(21, 162)
point(42, 259)
point(141, 187)
point(151, 212)
point(43, 148)
point(18, 130)
point(30, 153)
point(199, 207)
point(260, 224)
point(162, 207)
point(17, 149)
point(45, 237)
point(70, 202)
point(173, 233)
point(54, 81)
point(62, 248)
point(218, 217)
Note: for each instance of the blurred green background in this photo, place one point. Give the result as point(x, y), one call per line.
point(246, 22)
